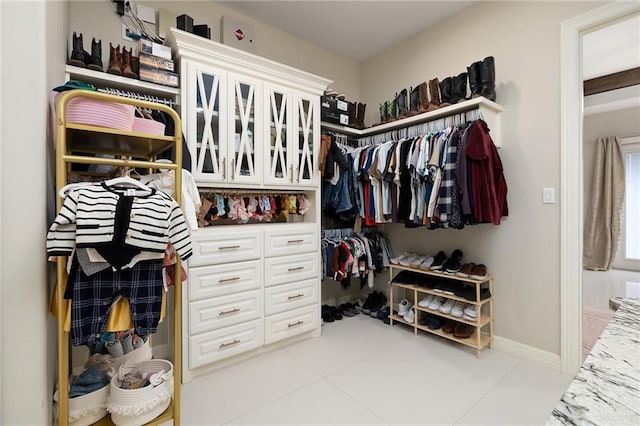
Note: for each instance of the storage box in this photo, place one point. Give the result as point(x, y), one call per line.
point(334, 118)
point(156, 62)
point(334, 111)
point(155, 75)
point(155, 49)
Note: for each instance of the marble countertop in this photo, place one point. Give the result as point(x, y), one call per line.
point(606, 389)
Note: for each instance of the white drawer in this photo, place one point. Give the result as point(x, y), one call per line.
point(218, 312)
point(281, 270)
point(291, 241)
point(218, 280)
point(291, 323)
point(219, 247)
point(215, 345)
point(286, 297)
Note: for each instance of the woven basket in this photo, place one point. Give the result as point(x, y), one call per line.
point(145, 125)
point(106, 362)
point(133, 407)
point(86, 409)
point(94, 112)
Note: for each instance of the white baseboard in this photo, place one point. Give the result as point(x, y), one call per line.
point(526, 352)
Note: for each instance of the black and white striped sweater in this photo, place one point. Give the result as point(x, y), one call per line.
point(101, 216)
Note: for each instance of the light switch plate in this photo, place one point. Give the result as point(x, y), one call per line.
point(548, 195)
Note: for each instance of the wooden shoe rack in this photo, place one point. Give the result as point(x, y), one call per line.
point(483, 333)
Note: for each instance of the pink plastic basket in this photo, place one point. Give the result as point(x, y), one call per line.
point(93, 112)
point(145, 125)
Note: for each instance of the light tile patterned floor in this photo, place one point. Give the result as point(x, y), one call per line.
point(362, 372)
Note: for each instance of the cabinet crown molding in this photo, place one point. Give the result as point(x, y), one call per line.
point(185, 45)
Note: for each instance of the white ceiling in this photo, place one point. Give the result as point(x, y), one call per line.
point(355, 29)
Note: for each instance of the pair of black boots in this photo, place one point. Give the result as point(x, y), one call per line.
point(81, 58)
point(482, 82)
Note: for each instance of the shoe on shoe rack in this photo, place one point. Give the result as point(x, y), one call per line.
point(438, 261)
point(465, 270)
point(458, 309)
point(435, 322)
point(448, 326)
point(451, 288)
point(426, 263)
point(463, 331)
point(409, 260)
point(479, 272)
point(469, 293)
point(424, 318)
point(396, 260)
point(471, 311)
point(426, 301)
point(417, 261)
point(410, 316)
point(447, 306)
point(454, 263)
point(437, 303)
point(403, 307)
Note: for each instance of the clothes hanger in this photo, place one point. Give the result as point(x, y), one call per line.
point(65, 189)
point(127, 180)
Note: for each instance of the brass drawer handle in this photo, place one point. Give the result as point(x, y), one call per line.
point(228, 247)
point(299, 268)
point(228, 312)
point(226, 280)
point(294, 241)
point(296, 296)
point(295, 323)
point(235, 342)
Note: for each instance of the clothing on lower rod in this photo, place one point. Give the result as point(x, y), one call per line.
point(94, 295)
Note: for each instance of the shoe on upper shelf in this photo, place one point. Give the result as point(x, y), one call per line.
point(426, 263)
point(396, 260)
point(479, 272)
point(408, 259)
point(454, 263)
point(438, 261)
point(458, 309)
point(447, 306)
point(426, 301)
point(417, 261)
point(465, 270)
point(403, 307)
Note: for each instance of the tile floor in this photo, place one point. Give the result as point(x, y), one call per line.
point(363, 372)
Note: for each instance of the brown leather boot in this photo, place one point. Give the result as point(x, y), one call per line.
point(423, 89)
point(434, 93)
point(115, 62)
point(360, 115)
point(127, 66)
point(351, 110)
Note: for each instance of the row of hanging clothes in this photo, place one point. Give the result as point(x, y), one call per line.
point(348, 255)
point(442, 174)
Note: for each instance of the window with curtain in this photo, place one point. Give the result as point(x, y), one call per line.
point(628, 254)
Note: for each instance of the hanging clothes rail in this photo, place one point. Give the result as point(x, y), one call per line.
point(138, 96)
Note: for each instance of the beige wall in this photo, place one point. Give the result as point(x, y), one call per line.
point(27, 333)
point(98, 19)
point(623, 122)
point(522, 253)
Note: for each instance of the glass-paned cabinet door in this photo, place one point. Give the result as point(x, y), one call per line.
point(206, 138)
point(278, 155)
point(244, 142)
point(307, 110)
